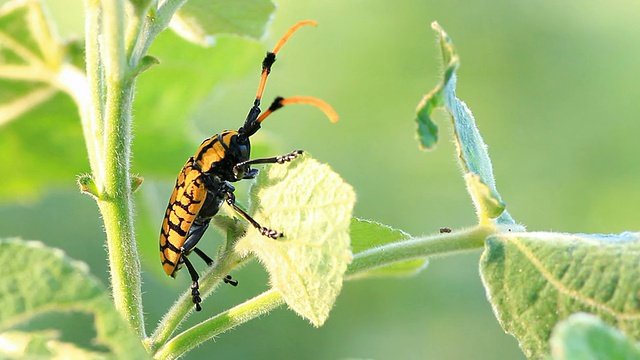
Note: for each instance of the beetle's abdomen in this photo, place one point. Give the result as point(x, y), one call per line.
point(187, 199)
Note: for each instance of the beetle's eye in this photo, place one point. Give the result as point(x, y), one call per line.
point(243, 151)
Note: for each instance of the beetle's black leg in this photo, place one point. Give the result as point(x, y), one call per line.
point(251, 173)
point(229, 280)
point(203, 256)
point(272, 160)
point(195, 287)
point(231, 200)
point(195, 234)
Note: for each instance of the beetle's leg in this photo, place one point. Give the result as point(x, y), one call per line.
point(252, 173)
point(203, 256)
point(195, 287)
point(272, 160)
point(231, 200)
point(227, 279)
point(195, 234)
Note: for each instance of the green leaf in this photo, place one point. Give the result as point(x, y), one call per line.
point(535, 280)
point(312, 206)
point(31, 59)
point(69, 17)
point(56, 127)
point(37, 280)
point(43, 345)
point(427, 128)
point(145, 63)
point(199, 21)
point(25, 58)
point(585, 337)
point(366, 234)
point(472, 151)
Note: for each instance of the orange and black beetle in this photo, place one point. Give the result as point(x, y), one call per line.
point(204, 183)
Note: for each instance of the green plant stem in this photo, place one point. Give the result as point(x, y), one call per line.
point(113, 50)
point(136, 17)
point(91, 111)
point(112, 157)
point(415, 248)
point(250, 309)
point(156, 23)
point(428, 246)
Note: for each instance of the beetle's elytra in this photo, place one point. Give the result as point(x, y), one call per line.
point(204, 183)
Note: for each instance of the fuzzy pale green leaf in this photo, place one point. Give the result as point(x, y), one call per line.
point(42, 345)
point(584, 336)
point(367, 234)
point(31, 56)
point(200, 21)
point(37, 280)
point(312, 206)
point(24, 59)
point(472, 151)
point(31, 59)
point(535, 280)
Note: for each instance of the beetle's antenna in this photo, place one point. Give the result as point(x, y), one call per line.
point(319, 103)
point(270, 58)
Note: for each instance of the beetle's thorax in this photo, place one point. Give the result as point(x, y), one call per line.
point(219, 154)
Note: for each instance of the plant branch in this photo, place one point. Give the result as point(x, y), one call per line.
point(135, 24)
point(428, 246)
point(421, 247)
point(155, 22)
point(108, 135)
point(190, 338)
point(92, 111)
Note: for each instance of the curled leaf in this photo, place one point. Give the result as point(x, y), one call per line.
point(472, 151)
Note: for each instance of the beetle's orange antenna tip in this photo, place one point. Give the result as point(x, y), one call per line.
point(307, 22)
point(331, 114)
point(319, 103)
point(290, 32)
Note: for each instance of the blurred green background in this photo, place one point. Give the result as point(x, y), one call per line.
point(554, 88)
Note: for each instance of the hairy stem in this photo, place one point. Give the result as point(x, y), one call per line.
point(438, 245)
point(91, 112)
point(108, 136)
point(148, 31)
point(239, 314)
